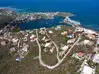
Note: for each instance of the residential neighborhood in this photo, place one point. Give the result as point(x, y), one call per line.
point(56, 44)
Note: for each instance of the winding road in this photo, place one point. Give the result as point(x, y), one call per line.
point(59, 62)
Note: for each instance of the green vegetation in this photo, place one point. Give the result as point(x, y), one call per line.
point(91, 64)
point(64, 14)
point(17, 29)
point(82, 38)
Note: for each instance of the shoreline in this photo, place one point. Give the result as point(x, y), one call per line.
point(29, 17)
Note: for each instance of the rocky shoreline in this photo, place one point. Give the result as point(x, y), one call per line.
point(10, 19)
point(6, 16)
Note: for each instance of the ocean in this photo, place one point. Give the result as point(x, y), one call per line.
point(86, 11)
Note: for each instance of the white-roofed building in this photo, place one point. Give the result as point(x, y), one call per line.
point(24, 51)
point(91, 36)
point(58, 28)
point(71, 41)
point(79, 29)
point(88, 70)
point(88, 31)
point(50, 32)
point(32, 38)
point(87, 42)
point(3, 43)
point(96, 58)
point(15, 41)
point(25, 48)
point(72, 22)
point(64, 47)
point(12, 49)
point(48, 45)
point(64, 33)
point(98, 41)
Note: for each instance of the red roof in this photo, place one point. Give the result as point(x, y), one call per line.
point(81, 54)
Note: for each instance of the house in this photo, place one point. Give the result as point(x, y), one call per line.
point(1, 38)
point(64, 33)
point(70, 41)
point(87, 70)
point(75, 55)
point(70, 31)
point(32, 37)
point(12, 49)
point(44, 38)
point(79, 29)
point(78, 33)
point(58, 28)
point(51, 32)
point(79, 55)
point(52, 49)
point(70, 36)
point(22, 32)
point(27, 35)
point(48, 45)
point(88, 31)
point(42, 31)
point(18, 59)
point(3, 43)
point(24, 51)
point(91, 36)
point(1, 31)
point(96, 58)
point(96, 49)
point(64, 47)
point(85, 42)
point(98, 41)
point(71, 22)
point(25, 48)
point(15, 41)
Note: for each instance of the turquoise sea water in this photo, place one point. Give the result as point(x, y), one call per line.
point(86, 11)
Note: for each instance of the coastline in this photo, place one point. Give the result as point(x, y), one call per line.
point(54, 40)
point(70, 15)
point(49, 37)
point(28, 17)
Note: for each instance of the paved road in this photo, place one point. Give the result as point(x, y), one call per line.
point(57, 64)
point(57, 48)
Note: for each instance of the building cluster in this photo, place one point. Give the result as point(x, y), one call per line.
point(72, 22)
point(17, 42)
point(88, 38)
point(20, 43)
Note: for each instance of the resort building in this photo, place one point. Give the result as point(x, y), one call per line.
point(70, 41)
point(64, 33)
point(71, 22)
point(91, 36)
point(96, 58)
point(88, 70)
